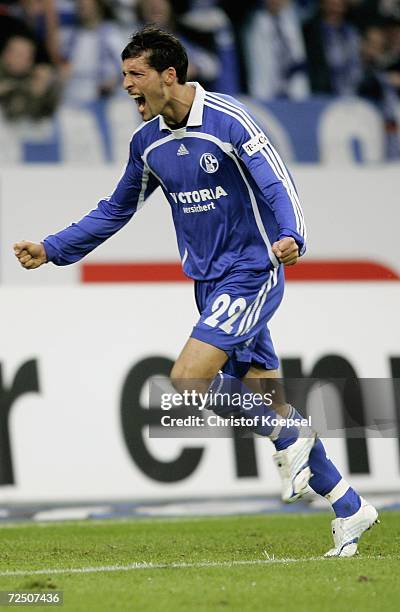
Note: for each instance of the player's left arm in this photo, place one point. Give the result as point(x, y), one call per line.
point(273, 179)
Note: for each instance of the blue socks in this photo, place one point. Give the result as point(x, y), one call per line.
point(235, 398)
point(288, 434)
point(328, 482)
point(348, 504)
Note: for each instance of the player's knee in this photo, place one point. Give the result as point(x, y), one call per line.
point(179, 374)
point(186, 377)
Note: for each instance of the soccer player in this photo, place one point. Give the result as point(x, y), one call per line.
point(238, 222)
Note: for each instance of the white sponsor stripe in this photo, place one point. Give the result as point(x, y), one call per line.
point(252, 320)
point(253, 129)
point(291, 193)
point(233, 113)
point(225, 146)
point(155, 566)
point(257, 312)
point(255, 315)
point(145, 180)
point(250, 309)
point(274, 279)
point(289, 182)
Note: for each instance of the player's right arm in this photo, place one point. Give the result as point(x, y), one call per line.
point(273, 179)
point(29, 254)
point(74, 242)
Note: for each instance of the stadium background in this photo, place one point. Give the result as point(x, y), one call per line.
point(77, 347)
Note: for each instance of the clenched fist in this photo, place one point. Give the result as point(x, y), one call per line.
point(29, 254)
point(286, 250)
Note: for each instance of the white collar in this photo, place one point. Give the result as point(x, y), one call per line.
point(196, 112)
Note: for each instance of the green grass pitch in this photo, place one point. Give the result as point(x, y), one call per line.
point(256, 562)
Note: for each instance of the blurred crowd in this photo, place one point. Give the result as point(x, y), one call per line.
point(53, 51)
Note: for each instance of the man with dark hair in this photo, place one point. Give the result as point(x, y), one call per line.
point(238, 222)
point(161, 49)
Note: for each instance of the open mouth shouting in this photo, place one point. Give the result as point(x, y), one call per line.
point(140, 102)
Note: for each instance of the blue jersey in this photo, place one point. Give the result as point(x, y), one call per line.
point(230, 194)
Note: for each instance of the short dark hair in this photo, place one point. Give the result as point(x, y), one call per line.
point(164, 49)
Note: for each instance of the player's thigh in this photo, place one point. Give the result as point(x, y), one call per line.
point(197, 365)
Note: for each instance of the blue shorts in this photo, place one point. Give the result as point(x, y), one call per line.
point(234, 313)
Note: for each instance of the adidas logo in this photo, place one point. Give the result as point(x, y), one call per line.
point(182, 150)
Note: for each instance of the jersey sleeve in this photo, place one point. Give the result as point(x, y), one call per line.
point(269, 172)
point(112, 213)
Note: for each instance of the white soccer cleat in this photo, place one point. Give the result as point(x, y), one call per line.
point(293, 467)
point(346, 532)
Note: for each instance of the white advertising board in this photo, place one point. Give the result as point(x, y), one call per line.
point(66, 354)
point(351, 213)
